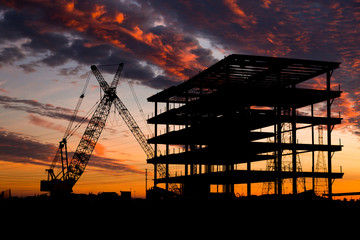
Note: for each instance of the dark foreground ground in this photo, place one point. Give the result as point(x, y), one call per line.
point(115, 204)
point(175, 218)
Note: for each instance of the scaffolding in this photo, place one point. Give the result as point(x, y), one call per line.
point(211, 130)
point(320, 183)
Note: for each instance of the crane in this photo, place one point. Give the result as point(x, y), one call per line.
point(71, 172)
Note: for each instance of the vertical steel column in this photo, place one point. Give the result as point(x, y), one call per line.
point(279, 151)
point(294, 153)
point(275, 155)
point(328, 108)
point(226, 117)
point(167, 151)
point(248, 114)
point(186, 126)
point(278, 159)
point(249, 183)
point(155, 145)
point(313, 151)
point(199, 146)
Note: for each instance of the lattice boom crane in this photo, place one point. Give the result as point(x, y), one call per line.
point(71, 172)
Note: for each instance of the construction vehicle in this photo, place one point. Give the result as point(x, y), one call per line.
point(63, 182)
point(70, 173)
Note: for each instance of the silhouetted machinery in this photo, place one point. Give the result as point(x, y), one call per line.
point(71, 171)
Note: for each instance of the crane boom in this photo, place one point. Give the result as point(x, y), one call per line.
point(134, 128)
point(103, 84)
point(115, 82)
point(140, 137)
point(132, 125)
point(89, 139)
point(123, 111)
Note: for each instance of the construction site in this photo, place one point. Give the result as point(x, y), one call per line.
point(235, 125)
point(242, 111)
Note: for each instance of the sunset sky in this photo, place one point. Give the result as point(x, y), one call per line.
point(47, 47)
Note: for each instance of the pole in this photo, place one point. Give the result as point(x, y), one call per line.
point(328, 106)
point(155, 146)
point(293, 130)
point(313, 152)
point(145, 182)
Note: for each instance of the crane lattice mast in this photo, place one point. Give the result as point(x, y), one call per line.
point(321, 184)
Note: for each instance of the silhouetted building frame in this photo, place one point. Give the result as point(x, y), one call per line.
point(218, 115)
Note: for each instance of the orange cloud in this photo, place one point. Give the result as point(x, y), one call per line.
point(241, 17)
point(266, 3)
point(172, 51)
point(99, 149)
point(81, 27)
point(348, 111)
point(70, 6)
point(99, 11)
point(105, 25)
point(235, 8)
point(119, 18)
point(3, 90)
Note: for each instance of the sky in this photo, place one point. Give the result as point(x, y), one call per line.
point(47, 47)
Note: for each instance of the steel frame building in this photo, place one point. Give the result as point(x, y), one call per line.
point(233, 114)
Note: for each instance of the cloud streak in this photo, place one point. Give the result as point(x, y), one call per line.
point(19, 148)
point(37, 121)
point(35, 107)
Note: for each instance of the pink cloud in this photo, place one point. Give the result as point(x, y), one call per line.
point(41, 122)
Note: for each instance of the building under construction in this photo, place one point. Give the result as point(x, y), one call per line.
point(241, 122)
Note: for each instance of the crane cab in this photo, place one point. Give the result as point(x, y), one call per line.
point(56, 185)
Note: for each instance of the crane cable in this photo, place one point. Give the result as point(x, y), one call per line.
point(139, 106)
point(69, 132)
point(73, 117)
point(83, 119)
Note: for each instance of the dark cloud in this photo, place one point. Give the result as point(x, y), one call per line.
point(9, 55)
point(29, 67)
point(70, 71)
point(42, 42)
point(18, 148)
point(55, 59)
point(12, 26)
point(159, 81)
point(113, 165)
point(22, 149)
point(35, 107)
point(282, 28)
